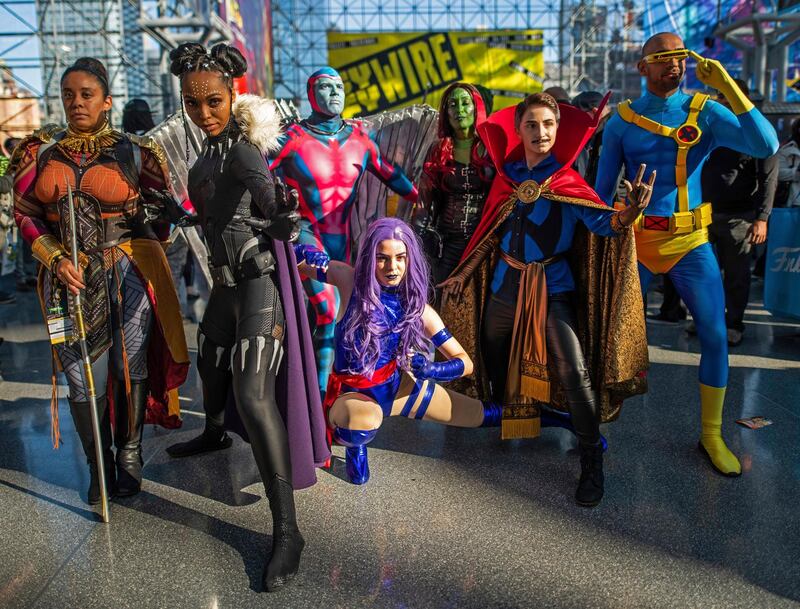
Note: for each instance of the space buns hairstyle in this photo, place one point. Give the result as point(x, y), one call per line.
point(222, 58)
point(92, 66)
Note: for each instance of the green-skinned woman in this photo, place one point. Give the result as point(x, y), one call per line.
point(456, 179)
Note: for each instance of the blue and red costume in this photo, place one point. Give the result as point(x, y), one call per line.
point(323, 158)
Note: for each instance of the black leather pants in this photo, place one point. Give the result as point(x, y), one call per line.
point(563, 350)
point(239, 348)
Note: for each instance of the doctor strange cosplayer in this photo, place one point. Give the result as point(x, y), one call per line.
point(548, 311)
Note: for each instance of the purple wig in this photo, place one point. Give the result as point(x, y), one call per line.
point(368, 322)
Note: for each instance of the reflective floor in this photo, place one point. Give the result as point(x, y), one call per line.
point(451, 518)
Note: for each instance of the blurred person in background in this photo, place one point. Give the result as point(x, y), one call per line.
point(788, 194)
point(137, 117)
point(586, 164)
point(741, 189)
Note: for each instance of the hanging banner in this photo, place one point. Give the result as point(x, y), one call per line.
point(387, 71)
point(251, 23)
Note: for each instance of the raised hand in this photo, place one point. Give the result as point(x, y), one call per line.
point(638, 197)
point(711, 72)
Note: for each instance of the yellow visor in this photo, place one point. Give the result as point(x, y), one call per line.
point(665, 56)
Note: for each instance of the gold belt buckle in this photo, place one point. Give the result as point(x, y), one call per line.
point(681, 222)
point(529, 191)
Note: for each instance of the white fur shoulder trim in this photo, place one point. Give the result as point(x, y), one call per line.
point(258, 121)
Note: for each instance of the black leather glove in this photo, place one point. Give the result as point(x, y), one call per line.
point(284, 225)
point(161, 205)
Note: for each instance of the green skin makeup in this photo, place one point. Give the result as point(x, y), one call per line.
point(461, 117)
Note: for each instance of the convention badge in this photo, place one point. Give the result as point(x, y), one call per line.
point(754, 422)
point(59, 325)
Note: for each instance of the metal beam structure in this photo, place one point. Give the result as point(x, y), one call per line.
point(173, 22)
point(764, 40)
point(300, 28)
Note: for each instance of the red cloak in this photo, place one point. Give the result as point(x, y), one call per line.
point(503, 144)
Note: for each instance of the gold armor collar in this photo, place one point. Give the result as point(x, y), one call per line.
point(89, 143)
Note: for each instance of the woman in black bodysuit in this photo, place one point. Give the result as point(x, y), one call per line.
point(240, 336)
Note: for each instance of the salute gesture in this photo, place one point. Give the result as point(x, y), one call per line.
point(712, 73)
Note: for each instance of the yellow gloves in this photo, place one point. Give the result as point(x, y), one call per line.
point(712, 73)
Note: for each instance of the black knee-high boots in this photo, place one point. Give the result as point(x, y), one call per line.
point(82, 417)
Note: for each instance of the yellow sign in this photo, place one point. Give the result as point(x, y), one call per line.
point(383, 71)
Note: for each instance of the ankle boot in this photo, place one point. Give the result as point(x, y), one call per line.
point(355, 455)
point(492, 414)
point(82, 417)
point(287, 542)
point(214, 437)
point(590, 486)
point(128, 436)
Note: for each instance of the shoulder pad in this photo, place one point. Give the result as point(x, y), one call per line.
point(46, 134)
point(147, 142)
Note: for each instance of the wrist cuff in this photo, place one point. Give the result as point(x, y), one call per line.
point(616, 223)
point(48, 250)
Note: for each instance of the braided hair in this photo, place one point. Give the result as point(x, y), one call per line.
point(192, 57)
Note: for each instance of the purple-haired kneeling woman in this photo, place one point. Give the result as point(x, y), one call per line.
point(383, 332)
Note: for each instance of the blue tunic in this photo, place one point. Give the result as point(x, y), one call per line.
point(537, 231)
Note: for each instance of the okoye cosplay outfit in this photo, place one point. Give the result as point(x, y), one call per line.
point(134, 326)
point(675, 135)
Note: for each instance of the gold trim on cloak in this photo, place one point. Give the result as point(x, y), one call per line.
point(609, 306)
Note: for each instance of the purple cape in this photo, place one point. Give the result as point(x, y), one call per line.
point(296, 388)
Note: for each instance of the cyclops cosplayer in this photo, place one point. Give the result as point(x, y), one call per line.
point(674, 133)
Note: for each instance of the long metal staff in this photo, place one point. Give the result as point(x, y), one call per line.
point(88, 377)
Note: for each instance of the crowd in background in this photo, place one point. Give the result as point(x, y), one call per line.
point(742, 190)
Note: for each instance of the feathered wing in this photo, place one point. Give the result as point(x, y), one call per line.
point(404, 137)
point(181, 141)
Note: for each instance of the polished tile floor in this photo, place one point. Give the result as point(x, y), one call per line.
point(451, 518)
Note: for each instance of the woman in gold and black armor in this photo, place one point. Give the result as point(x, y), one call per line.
point(132, 317)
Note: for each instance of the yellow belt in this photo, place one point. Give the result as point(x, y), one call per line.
point(682, 222)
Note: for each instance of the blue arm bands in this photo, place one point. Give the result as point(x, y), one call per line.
point(441, 337)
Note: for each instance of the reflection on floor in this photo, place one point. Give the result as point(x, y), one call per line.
point(451, 518)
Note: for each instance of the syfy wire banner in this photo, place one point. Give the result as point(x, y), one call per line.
point(386, 71)
point(251, 23)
